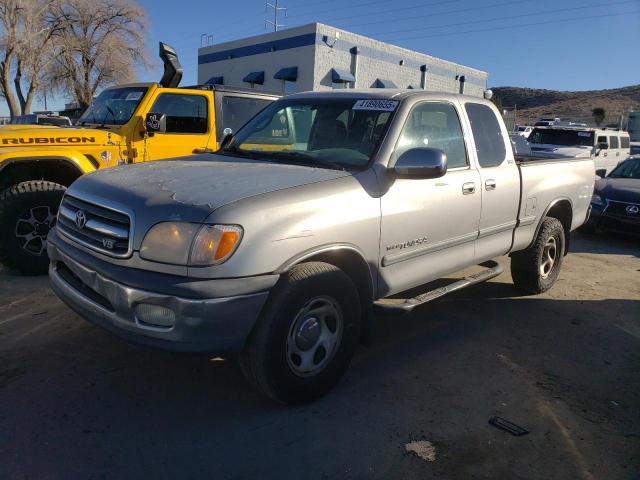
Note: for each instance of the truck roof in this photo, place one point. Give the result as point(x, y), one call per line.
point(384, 94)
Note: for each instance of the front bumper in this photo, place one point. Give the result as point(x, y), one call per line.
point(606, 219)
point(207, 324)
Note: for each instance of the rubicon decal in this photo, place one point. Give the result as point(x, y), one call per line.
point(49, 140)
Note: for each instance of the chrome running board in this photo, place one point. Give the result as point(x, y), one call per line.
point(406, 305)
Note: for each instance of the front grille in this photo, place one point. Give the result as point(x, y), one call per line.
point(619, 210)
point(94, 226)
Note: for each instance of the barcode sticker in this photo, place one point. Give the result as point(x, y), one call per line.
point(133, 96)
point(377, 105)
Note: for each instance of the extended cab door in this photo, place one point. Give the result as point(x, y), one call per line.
point(499, 181)
point(189, 125)
point(429, 226)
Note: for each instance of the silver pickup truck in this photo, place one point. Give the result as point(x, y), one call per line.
point(281, 245)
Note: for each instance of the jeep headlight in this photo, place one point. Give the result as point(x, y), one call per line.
point(190, 244)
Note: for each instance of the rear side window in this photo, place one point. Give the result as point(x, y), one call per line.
point(624, 142)
point(487, 135)
point(613, 142)
point(236, 111)
point(435, 125)
point(185, 113)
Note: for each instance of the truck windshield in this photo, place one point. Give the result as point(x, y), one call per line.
point(330, 133)
point(566, 138)
point(114, 106)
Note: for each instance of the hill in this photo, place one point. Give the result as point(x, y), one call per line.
point(532, 103)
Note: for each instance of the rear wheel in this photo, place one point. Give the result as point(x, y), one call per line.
point(306, 335)
point(27, 212)
point(536, 269)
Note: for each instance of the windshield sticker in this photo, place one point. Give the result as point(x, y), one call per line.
point(133, 96)
point(376, 105)
point(584, 134)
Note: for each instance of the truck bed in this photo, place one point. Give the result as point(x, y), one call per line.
point(544, 183)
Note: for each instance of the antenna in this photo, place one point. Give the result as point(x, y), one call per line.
point(276, 11)
point(206, 40)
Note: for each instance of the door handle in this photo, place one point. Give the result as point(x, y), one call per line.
point(490, 185)
point(468, 188)
point(605, 154)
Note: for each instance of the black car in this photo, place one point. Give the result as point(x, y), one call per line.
point(615, 205)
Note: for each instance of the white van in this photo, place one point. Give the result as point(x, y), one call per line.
point(607, 147)
point(524, 130)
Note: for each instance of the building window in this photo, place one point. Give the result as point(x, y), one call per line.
point(289, 87)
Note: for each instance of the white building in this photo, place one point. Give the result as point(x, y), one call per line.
point(320, 57)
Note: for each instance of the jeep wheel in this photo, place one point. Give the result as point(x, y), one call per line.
point(27, 213)
point(536, 269)
point(306, 334)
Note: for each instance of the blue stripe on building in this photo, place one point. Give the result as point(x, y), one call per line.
point(257, 49)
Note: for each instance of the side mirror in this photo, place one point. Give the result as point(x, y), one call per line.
point(155, 122)
point(227, 136)
point(421, 163)
point(603, 146)
point(601, 172)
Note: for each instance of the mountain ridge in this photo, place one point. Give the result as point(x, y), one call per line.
point(534, 103)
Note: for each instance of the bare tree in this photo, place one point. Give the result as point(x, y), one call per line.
point(26, 50)
point(100, 42)
point(10, 18)
point(36, 50)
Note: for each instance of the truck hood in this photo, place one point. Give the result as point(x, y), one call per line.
point(190, 189)
point(21, 136)
point(619, 189)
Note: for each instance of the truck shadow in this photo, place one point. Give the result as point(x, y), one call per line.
point(437, 371)
point(605, 243)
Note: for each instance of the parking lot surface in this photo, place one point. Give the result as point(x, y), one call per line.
point(77, 402)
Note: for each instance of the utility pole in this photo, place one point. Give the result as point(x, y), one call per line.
point(276, 12)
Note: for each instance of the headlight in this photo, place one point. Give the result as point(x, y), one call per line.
point(182, 243)
point(597, 200)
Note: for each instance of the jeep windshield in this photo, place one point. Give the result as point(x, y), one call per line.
point(114, 106)
point(565, 138)
point(328, 133)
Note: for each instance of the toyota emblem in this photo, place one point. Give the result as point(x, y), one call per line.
point(632, 209)
point(81, 219)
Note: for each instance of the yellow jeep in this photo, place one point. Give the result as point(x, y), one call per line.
point(125, 124)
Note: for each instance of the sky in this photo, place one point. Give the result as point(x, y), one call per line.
point(553, 44)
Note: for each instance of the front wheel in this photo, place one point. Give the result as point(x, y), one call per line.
point(306, 334)
point(27, 213)
point(536, 269)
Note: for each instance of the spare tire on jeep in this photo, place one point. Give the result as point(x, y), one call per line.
point(27, 212)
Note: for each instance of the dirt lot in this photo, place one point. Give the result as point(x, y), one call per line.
point(76, 402)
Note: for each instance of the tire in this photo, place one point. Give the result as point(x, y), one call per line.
point(27, 213)
point(283, 356)
point(536, 269)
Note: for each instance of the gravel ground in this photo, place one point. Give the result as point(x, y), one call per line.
point(77, 402)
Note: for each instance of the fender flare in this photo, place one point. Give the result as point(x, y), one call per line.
point(83, 165)
point(552, 204)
